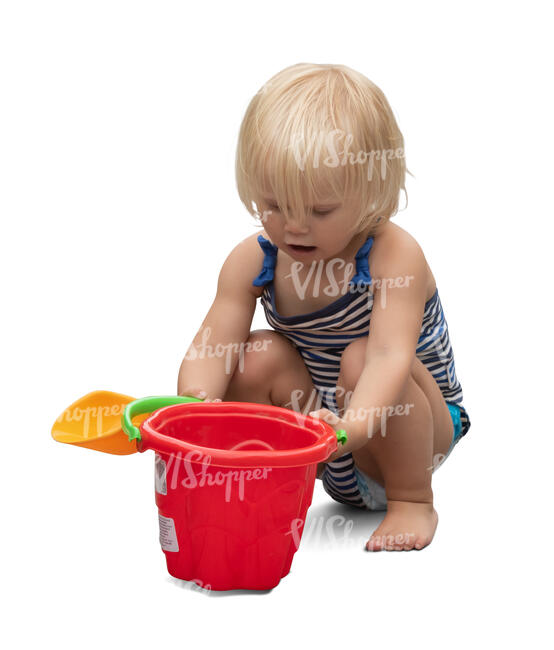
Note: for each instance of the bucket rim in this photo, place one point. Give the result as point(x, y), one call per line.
point(318, 451)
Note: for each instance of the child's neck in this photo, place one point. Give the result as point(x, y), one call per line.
point(355, 244)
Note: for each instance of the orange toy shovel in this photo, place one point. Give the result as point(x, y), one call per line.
point(94, 422)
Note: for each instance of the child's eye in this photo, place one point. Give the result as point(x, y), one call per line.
point(320, 213)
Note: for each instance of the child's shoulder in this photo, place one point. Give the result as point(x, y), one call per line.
point(244, 262)
point(392, 237)
point(392, 243)
point(396, 252)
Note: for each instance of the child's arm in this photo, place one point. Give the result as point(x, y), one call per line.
point(394, 331)
point(213, 355)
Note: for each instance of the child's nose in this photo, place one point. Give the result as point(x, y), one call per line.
point(295, 228)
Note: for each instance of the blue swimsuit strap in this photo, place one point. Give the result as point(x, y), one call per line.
point(270, 260)
point(361, 277)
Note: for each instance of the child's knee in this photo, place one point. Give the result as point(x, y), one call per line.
point(257, 359)
point(351, 366)
point(352, 362)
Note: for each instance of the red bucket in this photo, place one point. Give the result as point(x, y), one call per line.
point(234, 481)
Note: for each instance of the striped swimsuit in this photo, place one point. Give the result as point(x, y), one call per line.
point(321, 337)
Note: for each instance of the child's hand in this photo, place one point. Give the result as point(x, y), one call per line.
point(353, 439)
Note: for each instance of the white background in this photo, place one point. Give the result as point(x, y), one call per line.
point(119, 123)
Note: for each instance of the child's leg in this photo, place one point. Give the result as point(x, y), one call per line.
point(402, 459)
point(275, 374)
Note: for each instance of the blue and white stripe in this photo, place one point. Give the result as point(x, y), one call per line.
point(321, 337)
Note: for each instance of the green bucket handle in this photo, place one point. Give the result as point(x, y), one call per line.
point(151, 404)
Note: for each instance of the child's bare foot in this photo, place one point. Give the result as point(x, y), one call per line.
point(407, 525)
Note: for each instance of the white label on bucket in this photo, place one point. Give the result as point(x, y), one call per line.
point(160, 475)
point(168, 536)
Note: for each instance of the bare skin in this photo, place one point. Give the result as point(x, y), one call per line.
point(410, 522)
point(402, 459)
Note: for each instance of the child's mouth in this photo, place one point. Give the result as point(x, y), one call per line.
point(302, 249)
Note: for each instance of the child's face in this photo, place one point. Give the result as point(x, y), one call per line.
point(328, 231)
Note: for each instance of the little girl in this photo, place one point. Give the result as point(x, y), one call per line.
point(358, 335)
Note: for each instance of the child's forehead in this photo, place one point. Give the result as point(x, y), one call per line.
point(330, 199)
point(319, 191)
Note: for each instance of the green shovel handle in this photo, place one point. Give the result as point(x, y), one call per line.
point(149, 405)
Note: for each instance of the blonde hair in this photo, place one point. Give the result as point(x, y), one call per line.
point(280, 147)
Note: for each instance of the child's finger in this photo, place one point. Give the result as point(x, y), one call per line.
point(200, 393)
point(326, 415)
